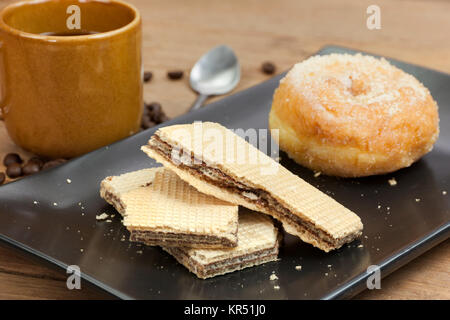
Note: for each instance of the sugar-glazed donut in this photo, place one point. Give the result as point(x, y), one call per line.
point(353, 115)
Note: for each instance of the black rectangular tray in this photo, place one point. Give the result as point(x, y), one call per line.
point(68, 233)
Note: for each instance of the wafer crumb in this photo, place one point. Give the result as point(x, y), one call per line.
point(273, 277)
point(68, 181)
point(298, 268)
point(360, 246)
point(316, 174)
point(81, 250)
point(108, 221)
point(392, 182)
point(444, 192)
point(102, 216)
point(417, 200)
point(55, 204)
point(35, 202)
point(276, 287)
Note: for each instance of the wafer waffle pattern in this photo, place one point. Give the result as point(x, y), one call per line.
point(113, 187)
point(318, 215)
point(258, 238)
point(170, 207)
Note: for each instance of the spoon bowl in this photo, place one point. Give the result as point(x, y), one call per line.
point(216, 72)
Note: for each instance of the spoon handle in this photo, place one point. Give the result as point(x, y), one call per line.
point(199, 102)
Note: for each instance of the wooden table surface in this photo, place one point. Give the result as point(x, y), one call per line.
point(178, 32)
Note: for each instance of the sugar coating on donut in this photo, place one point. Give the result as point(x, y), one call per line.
point(355, 79)
point(346, 101)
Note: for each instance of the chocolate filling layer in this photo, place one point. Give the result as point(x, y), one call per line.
point(257, 196)
point(182, 238)
point(114, 200)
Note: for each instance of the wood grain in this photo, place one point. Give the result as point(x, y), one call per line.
point(178, 32)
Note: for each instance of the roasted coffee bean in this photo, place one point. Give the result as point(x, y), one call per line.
point(153, 107)
point(268, 68)
point(2, 178)
point(11, 158)
point(144, 119)
point(160, 118)
point(175, 74)
point(147, 123)
point(53, 163)
point(148, 76)
point(37, 161)
point(153, 115)
point(31, 168)
point(14, 170)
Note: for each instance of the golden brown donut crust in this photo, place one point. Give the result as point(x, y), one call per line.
point(353, 115)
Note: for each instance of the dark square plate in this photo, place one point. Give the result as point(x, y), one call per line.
point(392, 236)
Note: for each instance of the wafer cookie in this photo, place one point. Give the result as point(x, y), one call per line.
point(303, 210)
point(170, 212)
point(112, 188)
point(258, 244)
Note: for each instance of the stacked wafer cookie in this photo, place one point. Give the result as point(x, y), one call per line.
point(200, 231)
point(218, 162)
point(190, 207)
point(170, 212)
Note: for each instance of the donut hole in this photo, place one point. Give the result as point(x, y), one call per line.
point(358, 87)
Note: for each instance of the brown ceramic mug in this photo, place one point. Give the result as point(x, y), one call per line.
point(64, 91)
